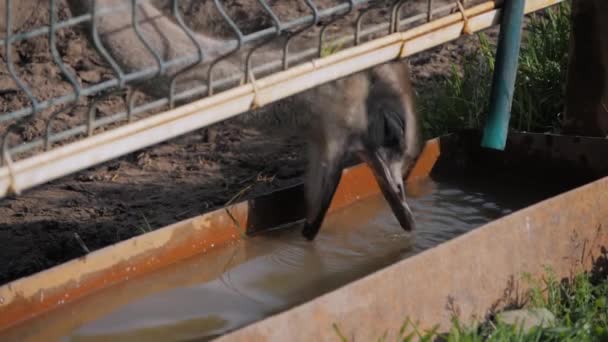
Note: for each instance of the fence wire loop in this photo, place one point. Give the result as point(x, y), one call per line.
point(101, 49)
point(55, 53)
point(351, 7)
point(92, 112)
point(395, 10)
point(8, 40)
point(315, 20)
point(358, 25)
point(135, 23)
point(398, 16)
point(239, 37)
point(64, 71)
point(278, 27)
point(49, 127)
point(199, 51)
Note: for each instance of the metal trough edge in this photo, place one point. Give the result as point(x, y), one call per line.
point(31, 296)
point(470, 276)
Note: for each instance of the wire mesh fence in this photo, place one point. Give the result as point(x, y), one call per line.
point(73, 68)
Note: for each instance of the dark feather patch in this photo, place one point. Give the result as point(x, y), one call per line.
point(386, 126)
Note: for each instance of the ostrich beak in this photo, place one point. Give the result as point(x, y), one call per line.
point(389, 177)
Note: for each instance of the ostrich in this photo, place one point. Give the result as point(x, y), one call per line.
point(370, 113)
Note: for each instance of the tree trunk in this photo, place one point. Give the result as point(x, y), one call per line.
point(586, 111)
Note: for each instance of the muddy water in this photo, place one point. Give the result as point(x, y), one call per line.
point(267, 274)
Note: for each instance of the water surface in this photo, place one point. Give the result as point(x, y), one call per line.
point(271, 273)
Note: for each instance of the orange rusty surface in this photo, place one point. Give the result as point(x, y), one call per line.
point(357, 183)
point(55, 325)
point(428, 157)
point(186, 241)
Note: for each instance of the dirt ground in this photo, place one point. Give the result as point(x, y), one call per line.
point(148, 189)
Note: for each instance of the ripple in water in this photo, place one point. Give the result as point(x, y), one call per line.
point(286, 270)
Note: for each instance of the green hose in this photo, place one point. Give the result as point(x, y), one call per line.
point(505, 72)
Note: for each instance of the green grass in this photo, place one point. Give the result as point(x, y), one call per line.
point(461, 99)
point(579, 305)
point(330, 49)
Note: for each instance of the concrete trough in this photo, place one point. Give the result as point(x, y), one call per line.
point(480, 272)
point(472, 275)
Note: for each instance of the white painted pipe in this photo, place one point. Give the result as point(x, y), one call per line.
point(97, 149)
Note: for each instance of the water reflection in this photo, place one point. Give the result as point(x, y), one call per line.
point(281, 269)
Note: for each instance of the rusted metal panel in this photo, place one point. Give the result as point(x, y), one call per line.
point(27, 297)
point(62, 320)
point(31, 296)
point(426, 161)
point(470, 275)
